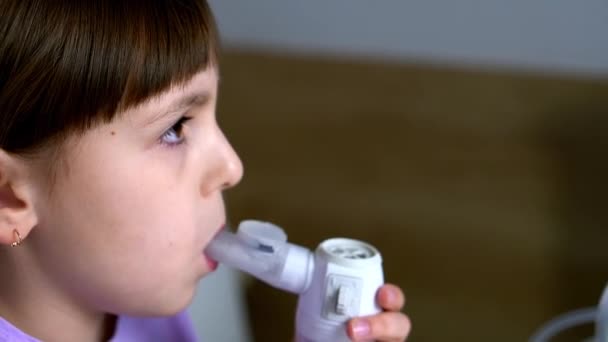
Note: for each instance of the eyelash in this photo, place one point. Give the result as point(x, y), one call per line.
point(175, 130)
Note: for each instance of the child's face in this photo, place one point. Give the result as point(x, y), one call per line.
point(136, 202)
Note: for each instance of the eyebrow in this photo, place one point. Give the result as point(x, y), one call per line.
point(183, 102)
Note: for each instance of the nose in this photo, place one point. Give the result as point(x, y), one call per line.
point(227, 169)
point(233, 167)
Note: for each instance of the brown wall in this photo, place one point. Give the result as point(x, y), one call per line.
point(485, 191)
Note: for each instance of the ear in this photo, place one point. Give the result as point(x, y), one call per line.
point(16, 198)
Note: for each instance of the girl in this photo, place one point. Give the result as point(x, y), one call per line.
point(112, 168)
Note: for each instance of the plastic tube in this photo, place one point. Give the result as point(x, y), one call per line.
point(571, 319)
point(601, 322)
point(564, 322)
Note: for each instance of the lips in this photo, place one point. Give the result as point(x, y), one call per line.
point(213, 264)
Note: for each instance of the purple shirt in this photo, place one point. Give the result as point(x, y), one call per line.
point(176, 328)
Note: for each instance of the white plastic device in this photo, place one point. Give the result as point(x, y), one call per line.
point(337, 282)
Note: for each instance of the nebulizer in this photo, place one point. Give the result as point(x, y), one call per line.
point(336, 282)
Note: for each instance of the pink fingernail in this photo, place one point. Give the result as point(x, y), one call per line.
point(361, 328)
point(391, 295)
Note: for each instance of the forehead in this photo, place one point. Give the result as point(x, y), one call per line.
point(202, 87)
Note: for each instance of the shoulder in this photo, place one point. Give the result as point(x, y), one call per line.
point(176, 328)
point(9, 332)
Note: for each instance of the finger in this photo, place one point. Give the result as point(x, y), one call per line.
point(390, 297)
point(387, 326)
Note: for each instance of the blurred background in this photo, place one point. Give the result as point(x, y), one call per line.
point(465, 139)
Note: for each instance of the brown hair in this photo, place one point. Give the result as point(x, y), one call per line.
point(67, 65)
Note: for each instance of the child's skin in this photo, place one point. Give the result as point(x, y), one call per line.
point(122, 227)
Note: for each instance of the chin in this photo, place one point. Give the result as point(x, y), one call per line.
point(177, 306)
point(168, 306)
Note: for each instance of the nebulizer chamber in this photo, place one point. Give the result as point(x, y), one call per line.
point(335, 283)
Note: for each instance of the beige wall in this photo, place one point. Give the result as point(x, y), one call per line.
point(556, 35)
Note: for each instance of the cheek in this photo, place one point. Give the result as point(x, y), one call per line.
point(126, 196)
point(134, 230)
point(149, 209)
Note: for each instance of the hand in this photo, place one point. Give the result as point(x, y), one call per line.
point(388, 326)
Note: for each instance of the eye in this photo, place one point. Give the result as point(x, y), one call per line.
point(175, 135)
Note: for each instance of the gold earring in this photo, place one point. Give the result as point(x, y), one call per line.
point(17, 238)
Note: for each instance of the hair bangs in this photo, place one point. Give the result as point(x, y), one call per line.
point(81, 62)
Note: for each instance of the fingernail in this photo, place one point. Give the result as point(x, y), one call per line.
point(391, 294)
point(361, 328)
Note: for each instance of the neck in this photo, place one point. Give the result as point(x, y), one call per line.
point(38, 310)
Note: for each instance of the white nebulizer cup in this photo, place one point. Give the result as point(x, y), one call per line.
point(337, 282)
